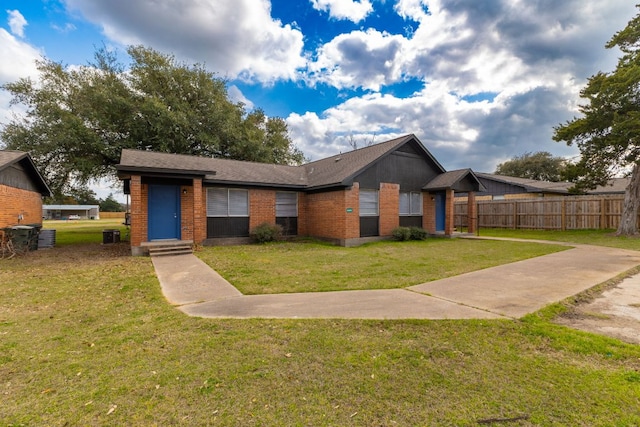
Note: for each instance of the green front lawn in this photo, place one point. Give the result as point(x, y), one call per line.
point(587, 237)
point(319, 267)
point(86, 338)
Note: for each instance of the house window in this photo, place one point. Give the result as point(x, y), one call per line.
point(226, 202)
point(368, 203)
point(287, 212)
point(286, 204)
point(410, 203)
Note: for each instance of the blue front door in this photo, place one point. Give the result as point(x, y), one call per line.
point(440, 211)
point(164, 212)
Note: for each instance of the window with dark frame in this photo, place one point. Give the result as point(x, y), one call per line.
point(227, 202)
point(410, 203)
point(369, 203)
point(286, 204)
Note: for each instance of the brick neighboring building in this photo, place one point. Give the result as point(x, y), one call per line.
point(349, 198)
point(21, 190)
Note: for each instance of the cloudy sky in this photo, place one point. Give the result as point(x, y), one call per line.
point(478, 82)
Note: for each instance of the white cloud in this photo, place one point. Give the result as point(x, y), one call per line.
point(415, 10)
point(368, 59)
point(236, 95)
point(235, 39)
point(352, 10)
point(459, 133)
point(66, 28)
point(529, 59)
point(16, 23)
point(17, 59)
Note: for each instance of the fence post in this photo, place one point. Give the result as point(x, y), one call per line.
point(603, 217)
point(563, 215)
point(472, 212)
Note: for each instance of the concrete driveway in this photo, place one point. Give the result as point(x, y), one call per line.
point(507, 291)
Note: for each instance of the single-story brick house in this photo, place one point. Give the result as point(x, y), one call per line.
point(22, 188)
point(348, 198)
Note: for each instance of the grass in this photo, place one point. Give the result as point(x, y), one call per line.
point(318, 267)
point(86, 338)
point(588, 237)
point(83, 231)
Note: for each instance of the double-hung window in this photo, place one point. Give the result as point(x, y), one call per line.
point(286, 204)
point(410, 203)
point(287, 212)
point(369, 203)
point(227, 202)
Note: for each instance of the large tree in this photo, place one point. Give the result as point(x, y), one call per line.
point(608, 133)
point(541, 166)
point(78, 119)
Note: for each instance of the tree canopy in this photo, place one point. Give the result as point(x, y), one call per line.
point(541, 166)
point(608, 133)
point(77, 120)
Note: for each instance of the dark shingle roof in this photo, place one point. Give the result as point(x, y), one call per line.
point(338, 169)
point(11, 157)
point(333, 171)
point(214, 170)
point(530, 185)
point(614, 186)
point(454, 179)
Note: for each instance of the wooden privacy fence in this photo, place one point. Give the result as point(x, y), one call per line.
point(112, 215)
point(547, 213)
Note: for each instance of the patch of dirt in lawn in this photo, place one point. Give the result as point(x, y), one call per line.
point(614, 312)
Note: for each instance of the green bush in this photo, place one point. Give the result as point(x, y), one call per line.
point(266, 232)
point(418, 233)
point(409, 233)
point(401, 233)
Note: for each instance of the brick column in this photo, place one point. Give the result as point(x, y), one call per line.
point(138, 212)
point(429, 212)
point(472, 213)
point(199, 212)
point(448, 212)
point(351, 223)
point(389, 208)
point(186, 212)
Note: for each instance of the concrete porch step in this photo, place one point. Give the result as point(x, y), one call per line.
point(169, 247)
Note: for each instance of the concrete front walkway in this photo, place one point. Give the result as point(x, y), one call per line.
point(507, 291)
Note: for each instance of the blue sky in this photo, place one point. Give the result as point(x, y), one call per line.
point(479, 82)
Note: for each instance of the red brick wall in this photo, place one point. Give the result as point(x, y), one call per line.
point(15, 202)
point(186, 212)
point(262, 207)
point(199, 211)
point(193, 212)
point(138, 211)
point(325, 214)
point(429, 212)
point(302, 215)
point(389, 200)
point(448, 216)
